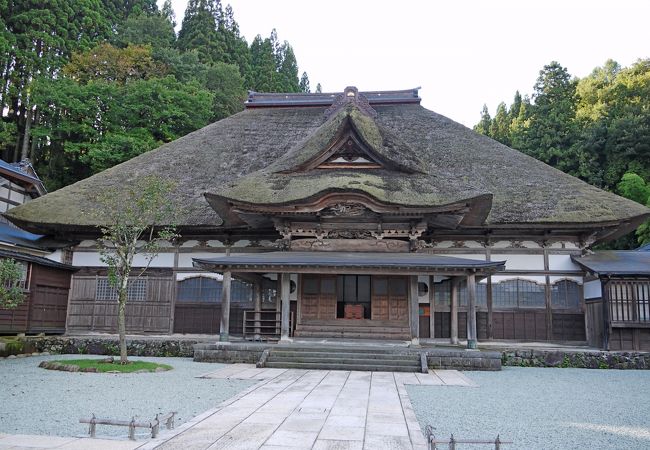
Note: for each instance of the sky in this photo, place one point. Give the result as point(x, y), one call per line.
point(462, 53)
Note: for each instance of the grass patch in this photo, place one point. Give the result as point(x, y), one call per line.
point(101, 365)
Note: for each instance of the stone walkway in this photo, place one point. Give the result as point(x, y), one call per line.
point(288, 409)
point(313, 409)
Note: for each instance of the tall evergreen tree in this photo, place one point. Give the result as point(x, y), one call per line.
point(199, 32)
point(288, 72)
point(500, 125)
point(304, 83)
point(485, 123)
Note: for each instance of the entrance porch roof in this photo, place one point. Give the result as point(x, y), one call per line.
point(348, 262)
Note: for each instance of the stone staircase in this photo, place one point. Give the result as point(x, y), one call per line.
point(354, 331)
point(342, 358)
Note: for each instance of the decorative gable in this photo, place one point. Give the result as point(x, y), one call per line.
point(348, 152)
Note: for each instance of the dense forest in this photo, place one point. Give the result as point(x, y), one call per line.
point(596, 128)
point(87, 84)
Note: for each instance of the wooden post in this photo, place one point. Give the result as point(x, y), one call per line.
point(285, 281)
point(548, 297)
point(490, 307)
point(454, 311)
point(278, 301)
point(414, 309)
point(224, 328)
point(604, 283)
point(257, 306)
point(471, 311)
point(432, 307)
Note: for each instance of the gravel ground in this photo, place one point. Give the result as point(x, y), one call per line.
point(39, 401)
point(542, 408)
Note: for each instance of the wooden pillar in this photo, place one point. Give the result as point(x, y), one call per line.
point(454, 311)
point(471, 311)
point(285, 282)
point(224, 328)
point(548, 298)
point(257, 306)
point(278, 301)
point(605, 293)
point(490, 307)
point(432, 308)
point(414, 309)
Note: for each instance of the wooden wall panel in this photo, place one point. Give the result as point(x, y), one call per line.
point(595, 323)
point(204, 318)
point(150, 316)
point(569, 326)
point(15, 320)
point(519, 325)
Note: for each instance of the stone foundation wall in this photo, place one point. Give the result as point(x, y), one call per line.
point(229, 353)
point(463, 360)
point(110, 346)
point(578, 359)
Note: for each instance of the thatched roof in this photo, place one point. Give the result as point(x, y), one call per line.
point(250, 156)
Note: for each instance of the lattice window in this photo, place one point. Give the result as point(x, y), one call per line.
point(136, 290)
point(209, 290)
point(565, 294)
point(518, 294)
point(199, 289)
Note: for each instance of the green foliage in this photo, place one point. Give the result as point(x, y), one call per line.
point(635, 188)
point(89, 127)
point(112, 64)
point(304, 83)
point(596, 128)
point(11, 294)
point(87, 84)
point(227, 86)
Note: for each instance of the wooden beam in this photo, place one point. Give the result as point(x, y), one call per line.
point(454, 311)
point(432, 308)
point(471, 311)
point(285, 281)
point(414, 310)
point(224, 329)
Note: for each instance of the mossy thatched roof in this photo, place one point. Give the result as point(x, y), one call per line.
point(438, 162)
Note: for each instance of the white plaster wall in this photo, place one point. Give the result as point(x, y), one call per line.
point(185, 259)
point(186, 275)
point(593, 289)
point(562, 262)
point(463, 256)
point(540, 279)
point(57, 256)
point(93, 259)
point(520, 262)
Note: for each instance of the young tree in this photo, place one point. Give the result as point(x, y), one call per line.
point(136, 220)
point(11, 294)
point(483, 126)
point(319, 88)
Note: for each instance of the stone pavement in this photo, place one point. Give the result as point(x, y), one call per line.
point(312, 409)
point(288, 409)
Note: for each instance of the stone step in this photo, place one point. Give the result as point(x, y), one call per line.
point(353, 335)
point(334, 348)
point(342, 366)
point(279, 354)
point(365, 329)
point(348, 361)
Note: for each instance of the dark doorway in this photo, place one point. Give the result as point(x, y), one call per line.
point(353, 297)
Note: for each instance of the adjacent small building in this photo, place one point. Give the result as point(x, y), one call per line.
point(617, 297)
point(45, 279)
point(350, 214)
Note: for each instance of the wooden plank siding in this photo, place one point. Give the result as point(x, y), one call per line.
point(45, 305)
point(153, 315)
point(204, 318)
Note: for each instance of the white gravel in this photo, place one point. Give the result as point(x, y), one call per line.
point(542, 408)
point(51, 402)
